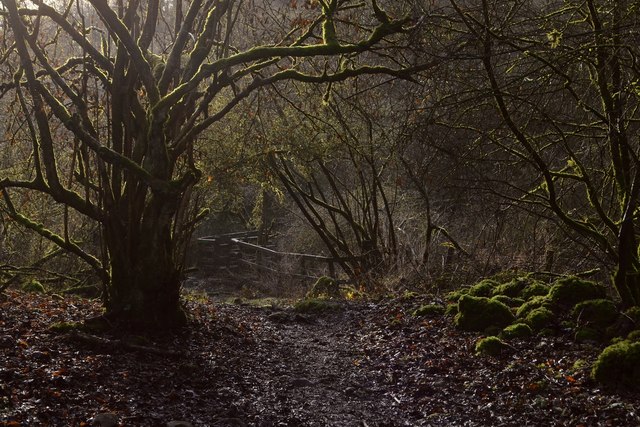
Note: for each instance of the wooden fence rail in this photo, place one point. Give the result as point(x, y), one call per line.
point(233, 253)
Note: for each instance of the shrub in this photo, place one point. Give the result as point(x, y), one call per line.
point(479, 313)
point(619, 365)
point(490, 346)
point(569, 291)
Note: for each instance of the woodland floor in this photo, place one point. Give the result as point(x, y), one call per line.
point(365, 364)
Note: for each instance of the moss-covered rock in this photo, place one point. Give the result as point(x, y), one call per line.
point(490, 346)
point(511, 289)
point(508, 301)
point(535, 289)
point(599, 313)
point(517, 330)
point(619, 365)
point(479, 313)
point(314, 305)
point(569, 291)
point(33, 286)
point(451, 310)
point(456, 295)
point(540, 318)
point(587, 334)
point(634, 336)
point(484, 288)
point(325, 287)
point(532, 304)
point(429, 310)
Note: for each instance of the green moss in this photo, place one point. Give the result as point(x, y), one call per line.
point(314, 305)
point(325, 287)
point(490, 346)
point(633, 313)
point(619, 365)
point(479, 313)
point(587, 334)
point(511, 289)
point(517, 330)
point(598, 312)
point(539, 318)
point(484, 288)
point(33, 286)
point(508, 301)
point(535, 289)
point(451, 310)
point(64, 327)
point(532, 304)
point(634, 336)
point(569, 291)
point(429, 310)
point(456, 295)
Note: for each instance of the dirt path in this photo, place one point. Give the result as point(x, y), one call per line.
point(238, 365)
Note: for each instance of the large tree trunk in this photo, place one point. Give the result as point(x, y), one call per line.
point(145, 278)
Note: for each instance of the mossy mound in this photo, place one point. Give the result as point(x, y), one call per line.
point(429, 310)
point(600, 313)
point(511, 289)
point(587, 334)
point(479, 313)
point(535, 289)
point(508, 301)
point(456, 295)
point(569, 291)
point(314, 305)
point(483, 288)
point(619, 366)
point(634, 336)
point(325, 287)
point(451, 310)
point(532, 304)
point(517, 330)
point(490, 346)
point(33, 286)
point(540, 318)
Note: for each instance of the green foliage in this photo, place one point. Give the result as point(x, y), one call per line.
point(619, 366)
point(532, 304)
point(33, 286)
point(490, 346)
point(598, 312)
point(314, 305)
point(517, 330)
point(540, 318)
point(479, 313)
point(484, 288)
point(569, 291)
point(325, 287)
point(429, 310)
point(534, 289)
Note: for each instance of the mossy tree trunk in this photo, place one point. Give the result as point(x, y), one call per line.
point(112, 125)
